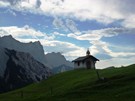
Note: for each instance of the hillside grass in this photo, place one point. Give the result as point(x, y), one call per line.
point(80, 85)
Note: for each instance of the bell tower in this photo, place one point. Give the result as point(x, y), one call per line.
point(88, 53)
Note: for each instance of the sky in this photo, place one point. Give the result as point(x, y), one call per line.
point(105, 27)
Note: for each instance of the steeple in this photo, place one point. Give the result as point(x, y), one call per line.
point(88, 52)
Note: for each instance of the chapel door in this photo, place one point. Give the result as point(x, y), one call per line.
point(88, 65)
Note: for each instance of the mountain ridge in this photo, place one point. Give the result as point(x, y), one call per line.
point(57, 61)
point(34, 48)
point(21, 69)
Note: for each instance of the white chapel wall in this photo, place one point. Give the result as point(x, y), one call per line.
point(92, 64)
point(81, 65)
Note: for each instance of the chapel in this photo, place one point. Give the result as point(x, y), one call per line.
point(87, 61)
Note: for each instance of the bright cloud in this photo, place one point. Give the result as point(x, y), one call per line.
point(99, 10)
point(98, 34)
point(24, 32)
point(103, 47)
point(129, 22)
point(115, 61)
point(100, 47)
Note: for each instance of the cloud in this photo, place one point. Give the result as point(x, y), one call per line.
point(58, 34)
point(71, 25)
point(99, 10)
point(12, 12)
point(98, 34)
point(12, 2)
point(129, 22)
point(102, 48)
point(24, 32)
point(118, 62)
point(50, 44)
point(38, 3)
point(85, 36)
point(59, 24)
point(68, 25)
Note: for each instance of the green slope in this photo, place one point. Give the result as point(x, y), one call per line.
point(80, 85)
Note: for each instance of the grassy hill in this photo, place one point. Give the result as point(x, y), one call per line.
point(80, 85)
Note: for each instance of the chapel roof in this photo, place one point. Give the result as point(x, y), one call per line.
point(84, 58)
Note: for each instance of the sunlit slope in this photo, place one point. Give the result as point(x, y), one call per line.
point(80, 85)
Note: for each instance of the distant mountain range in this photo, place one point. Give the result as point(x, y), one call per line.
point(58, 62)
point(25, 63)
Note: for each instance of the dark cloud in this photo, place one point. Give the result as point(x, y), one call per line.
point(127, 6)
point(15, 2)
point(62, 0)
point(38, 3)
point(12, 2)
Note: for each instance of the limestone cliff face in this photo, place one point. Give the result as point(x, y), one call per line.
point(21, 69)
point(35, 49)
